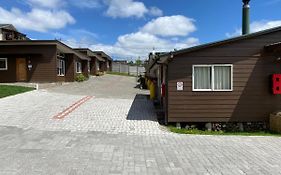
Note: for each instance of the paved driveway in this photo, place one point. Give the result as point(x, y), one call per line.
point(106, 126)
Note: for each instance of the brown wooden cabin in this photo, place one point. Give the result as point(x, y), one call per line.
point(225, 81)
point(40, 61)
point(96, 60)
point(9, 32)
point(105, 66)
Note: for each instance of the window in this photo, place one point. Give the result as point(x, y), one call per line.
point(89, 66)
point(97, 65)
point(218, 77)
point(60, 67)
point(3, 64)
point(78, 67)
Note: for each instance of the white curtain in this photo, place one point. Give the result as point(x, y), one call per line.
point(222, 77)
point(202, 77)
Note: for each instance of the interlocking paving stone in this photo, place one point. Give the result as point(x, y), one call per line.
point(116, 135)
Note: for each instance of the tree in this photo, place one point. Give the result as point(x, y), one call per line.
point(138, 62)
point(131, 63)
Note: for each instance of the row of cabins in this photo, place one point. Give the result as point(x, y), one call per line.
point(234, 80)
point(25, 60)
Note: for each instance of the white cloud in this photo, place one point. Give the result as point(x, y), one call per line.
point(263, 25)
point(140, 44)
point(136, 44)
point(86, 3)
point(155, 11)
point(126, 8)
point(46, 3)
point(55, 4)
point(37, 19)
point(170, 26)
point(257, 26)
point(130, 8)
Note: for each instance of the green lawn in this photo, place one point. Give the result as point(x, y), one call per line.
point(201, 132)
point(6, 90)
point(119, 73)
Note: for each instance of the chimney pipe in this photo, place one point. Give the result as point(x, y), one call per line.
point(246, 17)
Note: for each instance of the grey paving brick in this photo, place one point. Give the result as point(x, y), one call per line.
point(116, 134)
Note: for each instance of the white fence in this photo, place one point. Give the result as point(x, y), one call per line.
point(130, 70)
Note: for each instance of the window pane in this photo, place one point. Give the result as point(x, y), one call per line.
point(62, 67)
point(222, 77)
point(202, 77)
point(2, 64)
point(78, 67)
point(97, 66)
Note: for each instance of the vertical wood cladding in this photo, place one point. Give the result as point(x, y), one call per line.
point(8, 75)
point(42, 59)
point(44, 65)
point(93, 66)
point(251, 98)
point(85, 68)
point(70, 67)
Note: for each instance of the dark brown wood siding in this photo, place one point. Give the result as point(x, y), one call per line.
point(70, 68)
point(93, 66)
point(251, 98)
point(8, 75)
point(42, 59)
point(83, 64)
point(85, 68)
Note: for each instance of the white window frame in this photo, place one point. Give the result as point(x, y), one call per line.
point(89, 66)
point(6, 64)
point(97, 65)
point(80, 66)
point(61, 65)
point(212, 77)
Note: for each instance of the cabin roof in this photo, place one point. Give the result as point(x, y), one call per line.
point(90, 53)
point(60, 46)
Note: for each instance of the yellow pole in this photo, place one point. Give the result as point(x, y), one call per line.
point(152, 91)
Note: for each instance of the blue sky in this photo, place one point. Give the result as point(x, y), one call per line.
point(128, 29)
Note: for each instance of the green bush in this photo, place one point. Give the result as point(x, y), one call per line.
point(80, 78)
point(99, 74)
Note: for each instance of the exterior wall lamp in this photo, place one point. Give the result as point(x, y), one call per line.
point(29, 65)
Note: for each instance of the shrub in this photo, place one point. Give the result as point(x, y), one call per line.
point(99, 74)
point(80, 78)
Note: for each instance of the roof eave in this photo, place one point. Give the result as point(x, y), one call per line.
point(217, 43)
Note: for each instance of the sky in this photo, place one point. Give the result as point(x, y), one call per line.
point(130, 29)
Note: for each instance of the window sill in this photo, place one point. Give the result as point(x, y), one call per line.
point(60, 75)
point(3, 69)
point(206, 90)
point(222, 90)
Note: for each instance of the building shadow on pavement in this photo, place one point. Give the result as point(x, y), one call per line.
point(142, 109)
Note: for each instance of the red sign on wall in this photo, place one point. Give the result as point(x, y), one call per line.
point(276, 80)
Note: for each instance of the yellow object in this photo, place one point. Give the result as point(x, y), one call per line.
point(148, 84)
point(152, 91)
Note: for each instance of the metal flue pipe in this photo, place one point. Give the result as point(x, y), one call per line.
point(246, 17)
